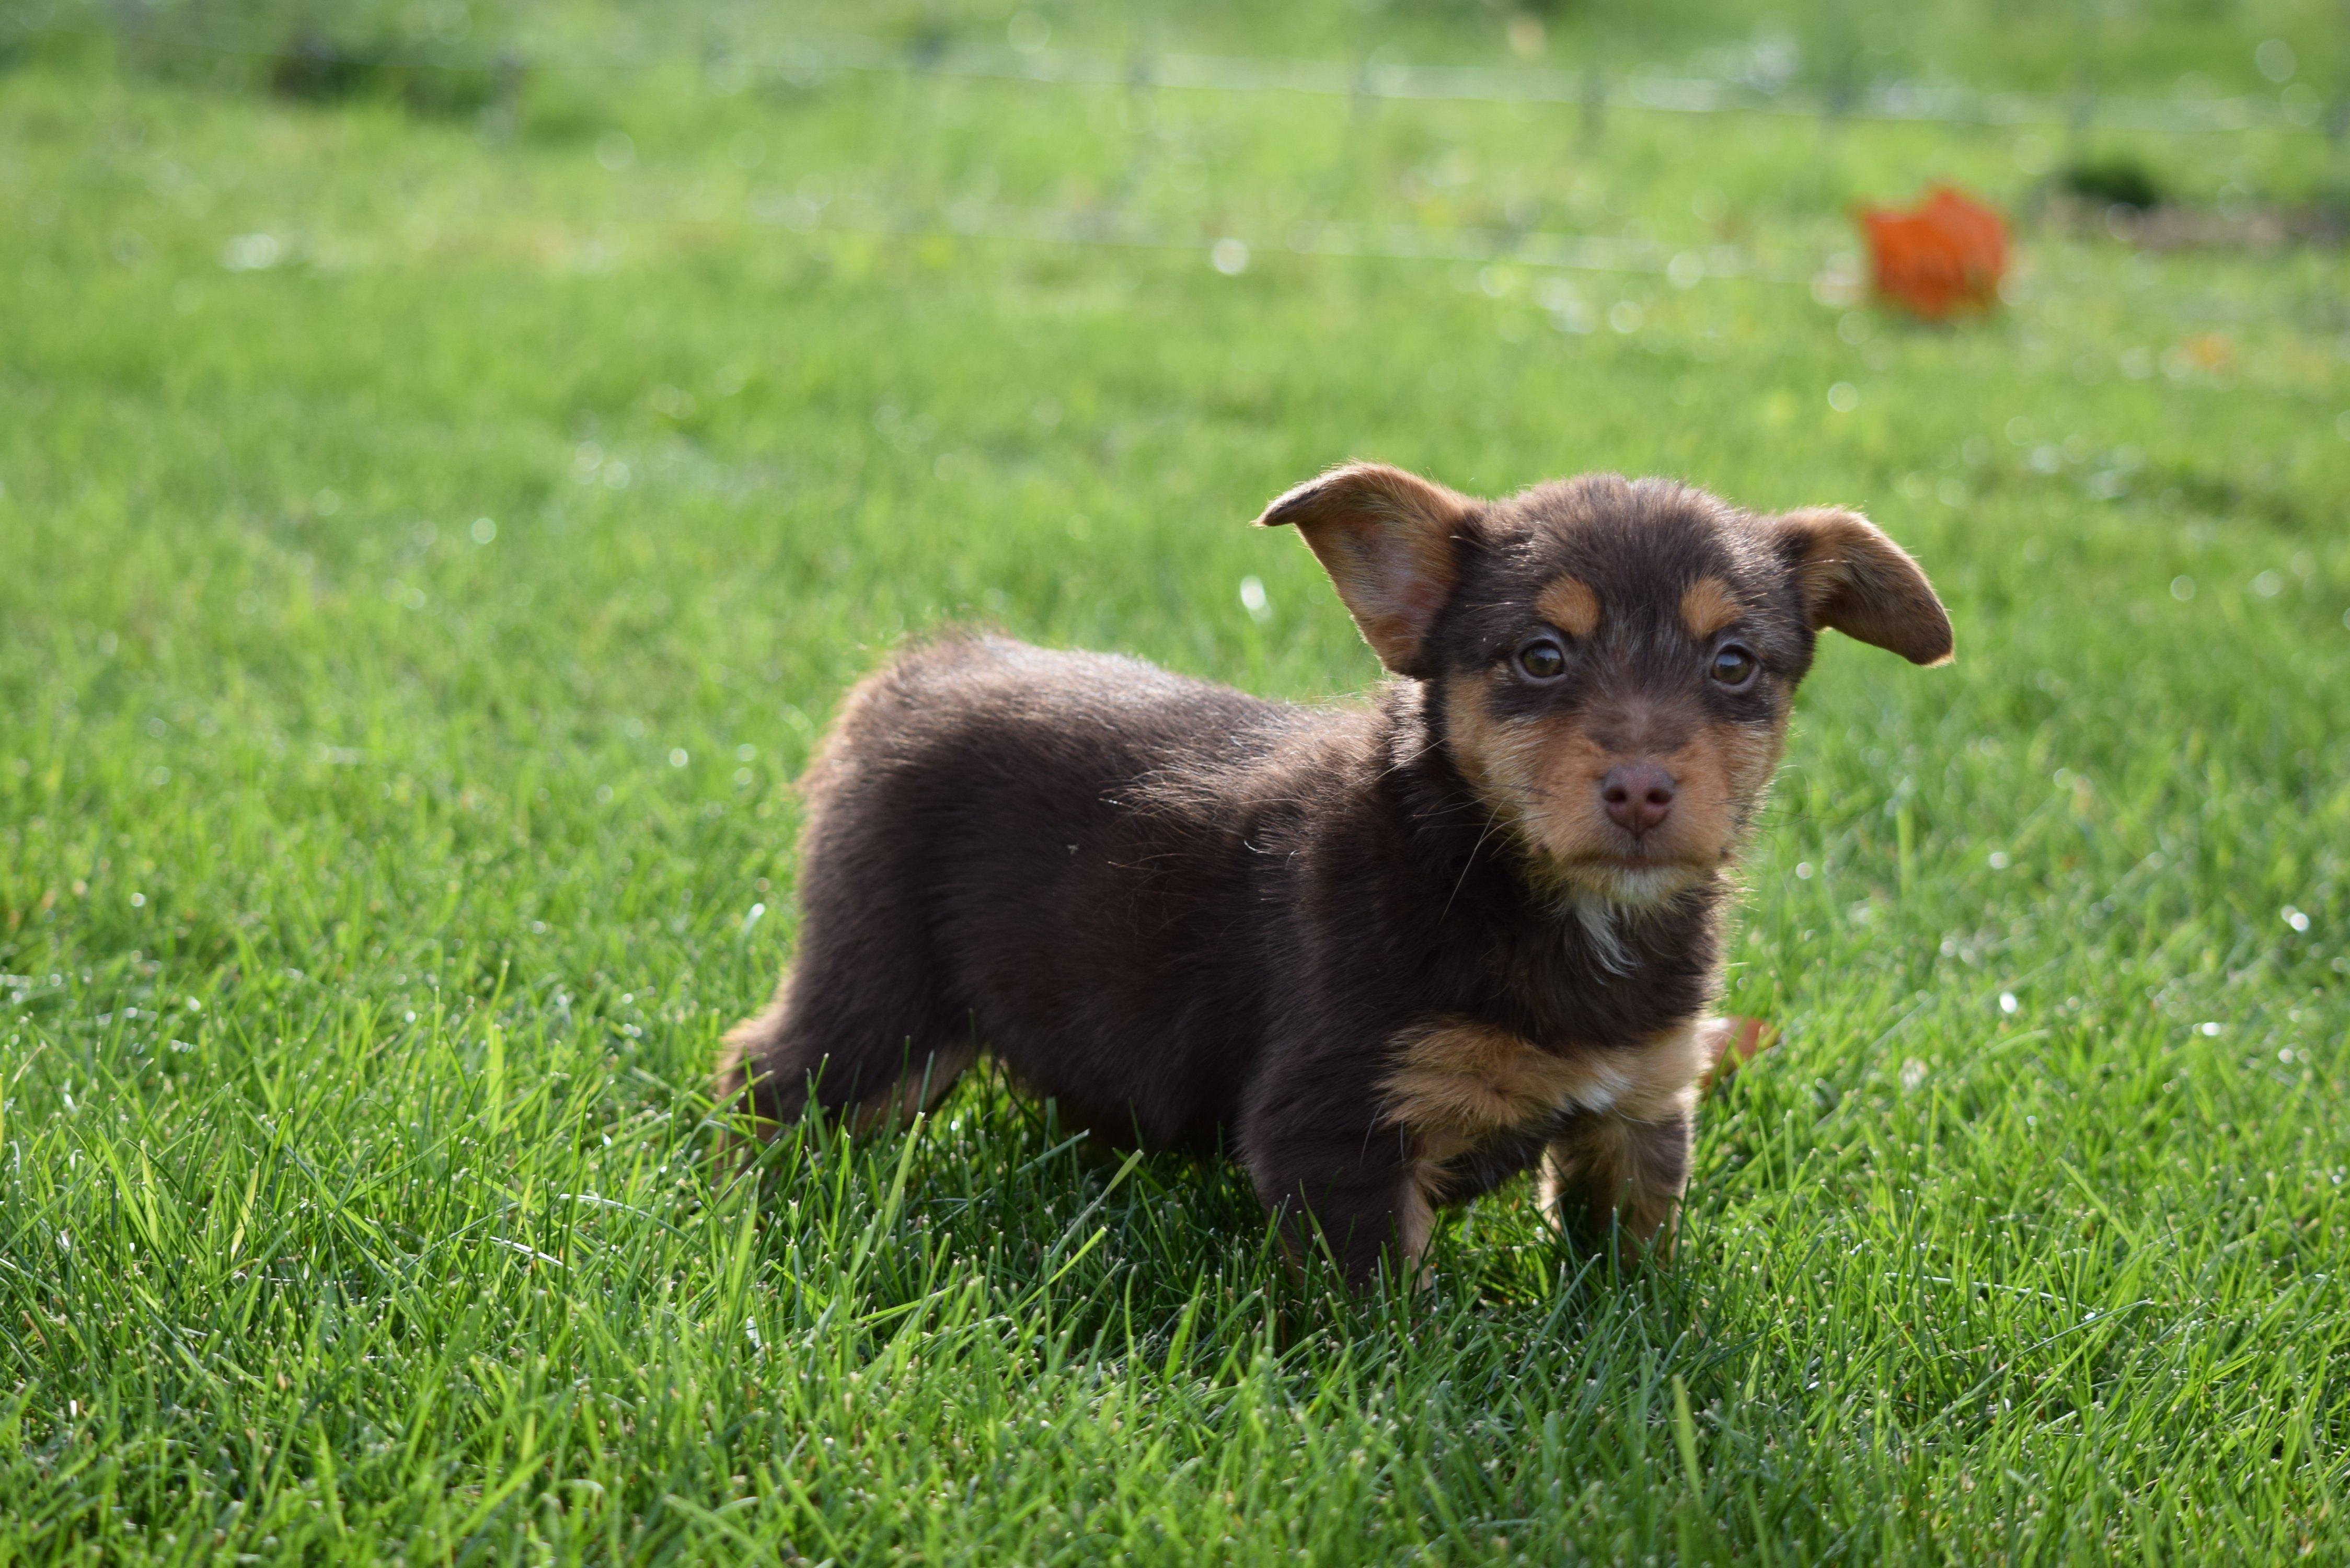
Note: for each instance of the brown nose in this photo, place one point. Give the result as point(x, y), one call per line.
point(1638, 796)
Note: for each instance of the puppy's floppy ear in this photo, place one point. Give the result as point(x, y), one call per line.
point(1854, 578)
point(1390, 541)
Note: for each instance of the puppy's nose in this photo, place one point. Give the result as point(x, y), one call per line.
point(1638, 795)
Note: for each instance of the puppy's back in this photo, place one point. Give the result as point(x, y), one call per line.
point(994, 710)
point(1032, 832)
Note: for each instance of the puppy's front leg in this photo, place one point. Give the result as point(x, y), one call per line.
point(1628, 1163)
point(1351, 1192)
point(1608, 1167)
point(1367, 1232)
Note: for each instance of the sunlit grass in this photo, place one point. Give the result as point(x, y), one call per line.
point(406, 646)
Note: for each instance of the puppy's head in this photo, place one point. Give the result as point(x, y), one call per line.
point(1609, 662)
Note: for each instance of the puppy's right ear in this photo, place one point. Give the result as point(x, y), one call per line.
point(1854, 578)
point(1391, 543)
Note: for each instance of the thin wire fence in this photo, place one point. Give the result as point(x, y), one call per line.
point(727, 67)
point(2294, 109)
point(1229, 250)
point(1658, 90)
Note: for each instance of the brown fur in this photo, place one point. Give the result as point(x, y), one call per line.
point(1384, 537)
point(1386, 954)
point(1861, 583)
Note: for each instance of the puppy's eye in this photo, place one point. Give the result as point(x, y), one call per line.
point(1734, 665)
point(1541, 659)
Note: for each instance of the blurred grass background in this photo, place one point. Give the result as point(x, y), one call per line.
point(451, 458)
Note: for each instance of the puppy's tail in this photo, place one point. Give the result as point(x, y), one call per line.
point(744, 1093)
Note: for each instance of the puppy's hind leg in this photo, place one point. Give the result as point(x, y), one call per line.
point(865, 1035)
point(867, 1025)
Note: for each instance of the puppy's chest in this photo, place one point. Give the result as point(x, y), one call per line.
point(1473, 1091)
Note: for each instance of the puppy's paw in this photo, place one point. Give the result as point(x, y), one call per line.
point(1734, 1042)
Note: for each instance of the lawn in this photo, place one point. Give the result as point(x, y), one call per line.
point(435, 529)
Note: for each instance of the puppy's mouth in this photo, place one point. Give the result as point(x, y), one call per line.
point(1634, 875)
point(1597, 859)
point(1645, 864)
point(1639, 859)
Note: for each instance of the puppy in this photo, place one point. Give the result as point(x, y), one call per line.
point(1388, 955)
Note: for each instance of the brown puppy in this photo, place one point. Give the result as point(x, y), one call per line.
point(1389, 955)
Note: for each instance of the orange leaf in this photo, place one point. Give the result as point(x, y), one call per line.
point(1942, 256)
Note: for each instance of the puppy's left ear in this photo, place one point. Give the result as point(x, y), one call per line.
point(1391, 543)
point(1854, 578)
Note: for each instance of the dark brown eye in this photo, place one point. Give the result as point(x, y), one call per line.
point(1541, 659)
point(1734, 666)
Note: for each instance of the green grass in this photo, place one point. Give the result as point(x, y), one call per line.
point(406, 647)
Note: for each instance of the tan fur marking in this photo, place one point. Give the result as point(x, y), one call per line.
point(1750, 759)
point(1542, 776)
point(1569, 605)
point(1668, 1068)
point(1457, 1083)
point(1494, 756)
point(1707, 607)
point(1722, 772)
point(1415, 1223)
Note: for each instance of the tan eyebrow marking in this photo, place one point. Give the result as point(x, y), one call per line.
point(1707, 606)
point(1569, 605)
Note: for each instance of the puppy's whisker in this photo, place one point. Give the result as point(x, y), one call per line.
point(1467, 865)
